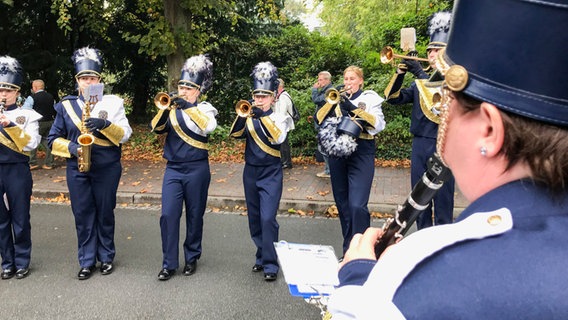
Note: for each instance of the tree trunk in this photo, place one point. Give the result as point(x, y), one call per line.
point(180, 22)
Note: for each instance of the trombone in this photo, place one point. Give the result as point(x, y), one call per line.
point(387, 55)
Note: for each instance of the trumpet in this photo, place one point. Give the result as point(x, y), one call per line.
point(387, 55)
point(333, 96)
point(244, 108)
point(163, 101)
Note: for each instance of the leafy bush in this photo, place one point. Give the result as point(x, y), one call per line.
point(395, 141)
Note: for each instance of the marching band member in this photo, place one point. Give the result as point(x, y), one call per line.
point(264, 131)
point(504, 135)
point(19, 134)
point(425, 118)
point(187, 174)
point(93, 191)
point(351, 154)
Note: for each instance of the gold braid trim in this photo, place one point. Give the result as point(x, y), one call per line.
point(388, 89)
point(197, 116)
point(187, 139)
point(237, 134)
point(15, 133)
point(60, 148)
point(114, 134)
point(156, 119)
point(272, 128)
point(271, 151)
point(10, 144)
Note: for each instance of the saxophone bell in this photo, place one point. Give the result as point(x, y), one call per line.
point(85, 141)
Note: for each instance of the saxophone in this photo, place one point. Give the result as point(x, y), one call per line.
point(85, 140)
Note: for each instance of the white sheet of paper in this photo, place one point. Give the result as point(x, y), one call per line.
point(94, 92)
point(308, 266)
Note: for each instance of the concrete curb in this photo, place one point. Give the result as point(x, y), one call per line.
point(236, 204)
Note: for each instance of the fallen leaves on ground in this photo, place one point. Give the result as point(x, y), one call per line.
point(146, 146)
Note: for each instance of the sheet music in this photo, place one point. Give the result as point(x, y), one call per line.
point(94, 91)
point(308, 269)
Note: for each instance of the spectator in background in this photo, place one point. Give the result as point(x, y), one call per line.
point(318, 97)
point(42, 102)
point(283, 105)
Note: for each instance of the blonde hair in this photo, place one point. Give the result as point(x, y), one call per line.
point(358, 71)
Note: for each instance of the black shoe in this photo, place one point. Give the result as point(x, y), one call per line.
point(269, 276)
point(166, 274)
point(190, 268)
point(22, 273)
point(106, 268)
point(86, 273)
point(8, 273)
point(257, 268)
point(286, 166)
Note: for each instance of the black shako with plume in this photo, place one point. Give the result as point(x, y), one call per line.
point(264, 79)
point(197, 72)
point(10, 73)
point(438, 29)
point(88, 62)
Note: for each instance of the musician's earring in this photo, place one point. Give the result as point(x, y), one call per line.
point(483, 151)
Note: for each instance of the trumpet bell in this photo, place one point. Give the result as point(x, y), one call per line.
point(162, 101)
point(386, 54)
point(332, 96)
point(243, 108)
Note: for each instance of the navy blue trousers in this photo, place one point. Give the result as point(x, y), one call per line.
point(263, 190)
point(15, 227)
point(93, 200)
point(422, 150)
point(351, 181)
point(183, 182)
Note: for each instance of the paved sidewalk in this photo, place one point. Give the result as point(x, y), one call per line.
point(141, 184)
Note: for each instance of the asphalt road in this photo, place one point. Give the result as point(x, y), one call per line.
point(223, 287)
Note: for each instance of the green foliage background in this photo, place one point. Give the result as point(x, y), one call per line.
point(139, 42)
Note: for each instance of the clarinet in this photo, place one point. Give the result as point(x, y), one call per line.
point(419, 199)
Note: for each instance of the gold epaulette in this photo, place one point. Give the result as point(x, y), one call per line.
point(114, 133)
point(198, 116)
